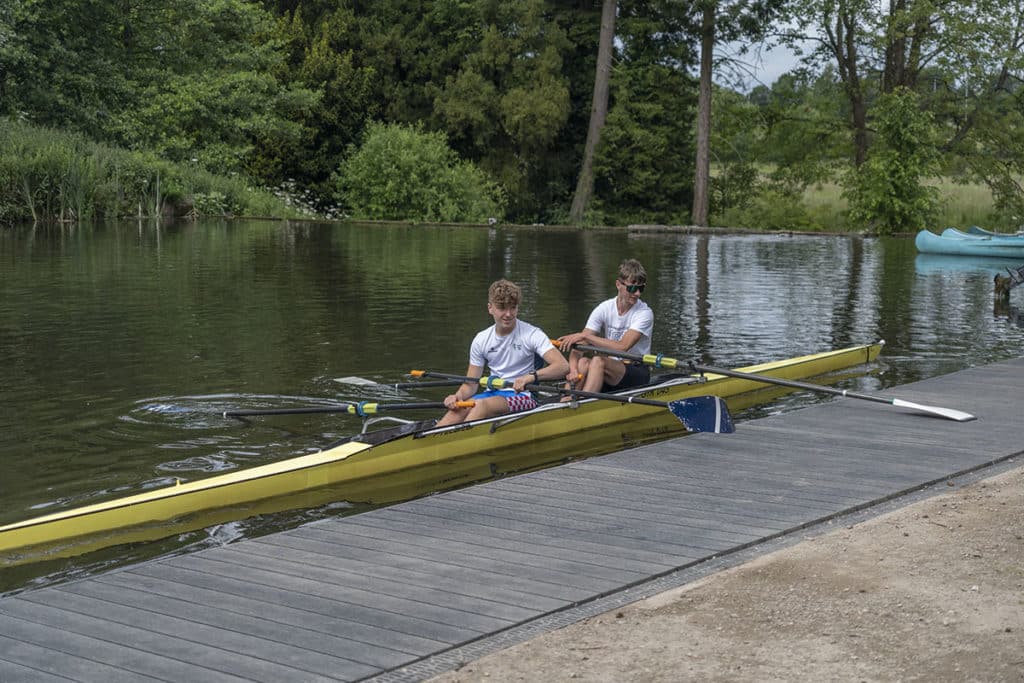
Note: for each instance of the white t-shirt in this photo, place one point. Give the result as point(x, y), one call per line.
point(606, 321)
point(512, 355)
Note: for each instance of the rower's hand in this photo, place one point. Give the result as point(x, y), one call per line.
point(565, 343)
point(519, 385)
point(450, 401)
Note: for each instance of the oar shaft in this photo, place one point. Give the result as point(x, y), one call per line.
point(792, 383)
point(361, 409)
point(660, 361)
point(285, 411)
point(499, 383)
point(697, 414)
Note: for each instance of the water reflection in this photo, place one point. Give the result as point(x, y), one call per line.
point(124, 344)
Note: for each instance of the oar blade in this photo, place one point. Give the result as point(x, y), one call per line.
point(703, 414)
point(356, 381)
point(947, 413)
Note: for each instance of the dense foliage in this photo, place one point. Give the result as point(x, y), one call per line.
point(285, 93)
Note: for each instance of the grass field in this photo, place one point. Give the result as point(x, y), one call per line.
point(823, 208)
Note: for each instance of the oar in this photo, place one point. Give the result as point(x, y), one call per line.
point(363, 382)
point(698, 414)
point(660, 361)
point(361, 409)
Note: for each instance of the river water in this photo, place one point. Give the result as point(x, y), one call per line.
point(122, 344)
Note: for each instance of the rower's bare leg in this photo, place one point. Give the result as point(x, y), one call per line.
point(581, 368)
point(488, 407)
point(603, 371)
point(453, 417)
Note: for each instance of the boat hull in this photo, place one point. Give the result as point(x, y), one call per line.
point(975, 230)
point(407, 466)
point(955, 243)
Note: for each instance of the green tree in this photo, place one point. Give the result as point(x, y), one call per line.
point(321, 55)
point(508, 104)
point(191, 79)
point(886, 192)
point(644, 169)
point(403, 173)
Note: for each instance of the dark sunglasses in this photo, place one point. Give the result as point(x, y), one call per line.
point(633, 289)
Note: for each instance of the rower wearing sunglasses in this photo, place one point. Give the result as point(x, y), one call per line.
point(623, 323)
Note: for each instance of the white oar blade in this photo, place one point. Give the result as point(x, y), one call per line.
point(947, 413)
point(358, 381)
point(703, 414)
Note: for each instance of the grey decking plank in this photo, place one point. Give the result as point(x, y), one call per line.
point(317, 643)
point(285, 615)
point(224, 649)
point(606, 526)
point(869, 466)
point(449, 578)
point(695, 464)
point(451, 570)
point(654, 506)
point(457, 565)
point(664, 530)
point(26, 661)
point(647, 507)
point(469, 531)
point(321, 581)
point(537, 565)
point(457, 605)
point(582, 524)
point(11, 671)
point(541, 560)
point(326, 601)
point(87, 641)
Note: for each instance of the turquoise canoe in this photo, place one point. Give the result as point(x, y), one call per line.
point(976, 233)
point(975, 230)
point(956, 243)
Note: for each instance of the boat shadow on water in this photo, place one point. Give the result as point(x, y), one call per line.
point(931, 264)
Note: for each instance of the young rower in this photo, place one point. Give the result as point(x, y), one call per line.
point(623, 323)
point(507, 349)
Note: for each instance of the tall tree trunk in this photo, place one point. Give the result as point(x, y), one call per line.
point(841, 35)
point(598, 113)
point(702, 175)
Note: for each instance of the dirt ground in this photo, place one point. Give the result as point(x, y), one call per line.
point(930, 592)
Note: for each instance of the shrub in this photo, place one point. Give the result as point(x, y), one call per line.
point(404, 173)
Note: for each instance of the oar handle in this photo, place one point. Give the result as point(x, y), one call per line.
point(655, 360)
point(364, 408)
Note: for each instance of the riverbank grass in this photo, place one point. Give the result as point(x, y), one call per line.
point(822, 207)
point(53, 176)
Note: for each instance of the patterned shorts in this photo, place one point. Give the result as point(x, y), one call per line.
point(517, 403)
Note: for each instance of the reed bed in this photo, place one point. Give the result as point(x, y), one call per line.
point(53, 176)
